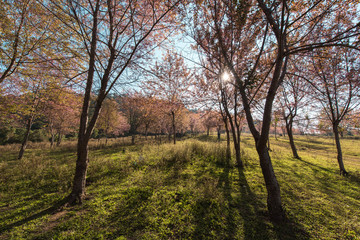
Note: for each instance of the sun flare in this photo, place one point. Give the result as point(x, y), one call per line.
point(225, 77)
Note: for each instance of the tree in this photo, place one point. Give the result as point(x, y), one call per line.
point(171, 83)
point(275, 30)
point(62, 111)
point(195, 123)
point(111, 120)
point(335, 81)
point(151, 109)
point(293, 93)
point(131, 106)
point(30, 38)
point(17, 35)
point(210, 121)
point(115, 35)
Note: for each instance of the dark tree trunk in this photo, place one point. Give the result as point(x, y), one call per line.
point(78, 190)
point(339, 151)
point(52, 135)
point(173, 125)
point(52, 140)
point(59, 139)
point(235, 132)
point(218, 135)
point(238, 155)
point(133, 139)
point(26, 138)
point(208, 131)
point(228, 148)
point(291, 137)
point(236, 142)
point(274, 205)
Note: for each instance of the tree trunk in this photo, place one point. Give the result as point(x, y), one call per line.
point(52, 135)
point(52, 140)
point(173, 125)
point(26, 137)
point(236, 141)
point(275, 209)
point(228, 148)
point(291, 138)
point(59, 139)
point(133, 139)
point(218, 135)
point(339, 152)
point(283, 131)
point(82, 161)
point(238, 154)
point(208, 131)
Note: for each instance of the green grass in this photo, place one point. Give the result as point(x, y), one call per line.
point(187, 191)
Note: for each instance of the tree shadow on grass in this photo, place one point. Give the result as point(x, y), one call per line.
point(316, 166)
point(57, 206)
point(256, 223)
point(354, 177)
point(130, 218)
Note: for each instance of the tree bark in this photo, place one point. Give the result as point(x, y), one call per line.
point(133, 139)
point(228, 148)
point(59, 139)
point(26, 138)
point(78, 190)
point(289, 128)
point(238, 154)
point(52, 140)
point(52, 135)
point(339, 151)
point(173, 125)
point(274, 205)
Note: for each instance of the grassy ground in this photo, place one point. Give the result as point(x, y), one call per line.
point(187, 191)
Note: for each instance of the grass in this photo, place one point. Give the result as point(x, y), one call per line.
point(187, 191)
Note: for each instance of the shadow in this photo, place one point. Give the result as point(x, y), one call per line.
point(255, 221)
point(316, 166)
point(252, 211)
point(312, 144)
point(51, 210)
point(354, 177)
point(224, 181)
point(130, 218)
point(308, 141)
